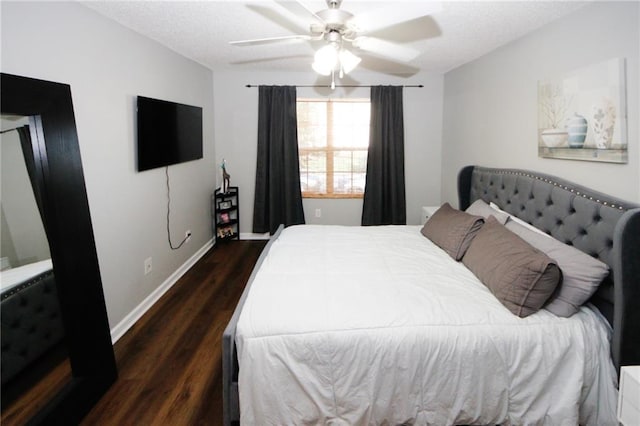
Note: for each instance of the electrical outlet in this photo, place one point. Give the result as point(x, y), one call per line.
point(187, 235)
point(148, 265)
point(318, 212)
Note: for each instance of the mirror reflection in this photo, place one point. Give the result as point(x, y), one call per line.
point(34, 364)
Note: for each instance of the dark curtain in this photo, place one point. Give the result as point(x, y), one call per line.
point(29, 159)
point(278, 198)
point(384, 193)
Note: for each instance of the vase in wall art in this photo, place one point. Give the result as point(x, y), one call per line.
point(553, 104)
point(604, 119)
point(577, 130)
point(554, 137)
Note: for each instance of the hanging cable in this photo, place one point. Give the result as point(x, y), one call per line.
point(169, 213)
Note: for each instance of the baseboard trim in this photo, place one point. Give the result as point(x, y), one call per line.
point(127, 322)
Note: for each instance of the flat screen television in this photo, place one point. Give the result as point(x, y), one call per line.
point(168, 133)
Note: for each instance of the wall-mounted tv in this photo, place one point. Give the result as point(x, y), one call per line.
point(168, 133)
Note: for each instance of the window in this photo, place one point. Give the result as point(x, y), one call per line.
point(333, 138)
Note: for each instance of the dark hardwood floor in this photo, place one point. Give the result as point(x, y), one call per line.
point(169, 362)
point(32, 397)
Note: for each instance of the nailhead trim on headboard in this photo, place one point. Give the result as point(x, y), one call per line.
point(18, 288)
point(565, 187)
point(570, 213)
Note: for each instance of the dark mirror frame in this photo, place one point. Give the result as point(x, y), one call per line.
point(68, 226)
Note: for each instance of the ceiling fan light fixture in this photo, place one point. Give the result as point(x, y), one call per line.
point(348, 61)
point(340, 29)
point(321, 68)
point(328, 58)
point(325, 59)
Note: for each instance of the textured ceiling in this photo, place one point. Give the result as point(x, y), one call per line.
point(201, 30)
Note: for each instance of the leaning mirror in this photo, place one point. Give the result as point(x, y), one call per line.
point(34, 364)
point(79, 363)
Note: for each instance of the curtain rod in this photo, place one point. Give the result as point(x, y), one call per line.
point(340, 85)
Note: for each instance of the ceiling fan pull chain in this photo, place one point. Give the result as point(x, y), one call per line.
point(333, 79)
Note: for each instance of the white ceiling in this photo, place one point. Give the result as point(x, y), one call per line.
point(201, 30)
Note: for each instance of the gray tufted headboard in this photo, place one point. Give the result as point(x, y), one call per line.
point(602, 226)
point(30, 322)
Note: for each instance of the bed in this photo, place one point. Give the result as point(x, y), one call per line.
point(344, 347)
point(31, 322)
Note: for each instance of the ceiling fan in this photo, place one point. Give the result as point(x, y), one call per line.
point(341, 29)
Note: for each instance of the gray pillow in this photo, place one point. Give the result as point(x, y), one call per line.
point(452, 230)
point(521, 277)
point(582, 274)
point(481, 208)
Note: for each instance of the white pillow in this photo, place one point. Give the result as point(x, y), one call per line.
point(481, 208)
point(520, 221)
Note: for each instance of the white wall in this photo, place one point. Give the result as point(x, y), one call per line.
point(23, 238)
point(107, 66)
point(490, 104)
point(236, 128)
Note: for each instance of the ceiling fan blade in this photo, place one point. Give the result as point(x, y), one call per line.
point(270, 40)
point(311, 12)
point(266, 60)
point(300, 10)
point(283, 18)
point(386, 49)
point(375, 19)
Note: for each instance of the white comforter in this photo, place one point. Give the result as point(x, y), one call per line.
point(12, 277)
point(376, 325)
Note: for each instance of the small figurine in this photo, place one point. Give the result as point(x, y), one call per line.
point(225, 177)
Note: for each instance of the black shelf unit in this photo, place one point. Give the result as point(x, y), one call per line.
point(226, 214)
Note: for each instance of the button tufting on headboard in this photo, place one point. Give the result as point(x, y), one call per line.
point(31, 323)
point(571, 214)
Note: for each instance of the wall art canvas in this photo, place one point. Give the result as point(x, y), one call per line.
point(583, 114)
